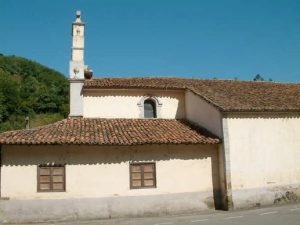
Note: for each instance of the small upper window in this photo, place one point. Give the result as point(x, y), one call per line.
point(149, 109)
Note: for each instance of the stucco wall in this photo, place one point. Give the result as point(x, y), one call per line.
point(97, 181)
point(76, 98)
point(124, 103)
point(103, 172)
point(264, 157)
point(202, 113)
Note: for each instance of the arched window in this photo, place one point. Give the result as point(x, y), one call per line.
point(149, 108)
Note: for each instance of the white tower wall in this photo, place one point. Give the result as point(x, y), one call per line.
point(76, 71)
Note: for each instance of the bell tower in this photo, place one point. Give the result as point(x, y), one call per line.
point(77, 67)
point(77, 56)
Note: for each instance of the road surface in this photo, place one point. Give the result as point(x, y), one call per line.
point(279, 215)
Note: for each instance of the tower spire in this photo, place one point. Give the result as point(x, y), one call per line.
point(77, 56)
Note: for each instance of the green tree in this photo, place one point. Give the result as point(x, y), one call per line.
point(9, 89)
point(2, 107)
point(30, 89)
point(258, 77)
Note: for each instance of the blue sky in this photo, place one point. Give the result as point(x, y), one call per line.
point(190, 38)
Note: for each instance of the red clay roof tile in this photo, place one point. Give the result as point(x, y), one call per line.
point(112, 132)
point(226, 95)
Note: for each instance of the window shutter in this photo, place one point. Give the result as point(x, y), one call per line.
point(51, 178)
point(142, 175)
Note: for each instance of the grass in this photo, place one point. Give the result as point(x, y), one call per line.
point(44, 119)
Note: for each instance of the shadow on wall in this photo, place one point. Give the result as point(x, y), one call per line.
point(105, 155)
point(15, 155)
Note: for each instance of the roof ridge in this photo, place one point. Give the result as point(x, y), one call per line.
point(191, 78)
point(208, 100)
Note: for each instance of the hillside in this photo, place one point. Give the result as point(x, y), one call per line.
point(28, 88)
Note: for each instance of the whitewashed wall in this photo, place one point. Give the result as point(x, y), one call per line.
point(76, 98)
point(97, 181)
point(124, 103)
point(202, 113)
point(264, 157)
point(104, 172)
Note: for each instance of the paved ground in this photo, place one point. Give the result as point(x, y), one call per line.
point(279, 215)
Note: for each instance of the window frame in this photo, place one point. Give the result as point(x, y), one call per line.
point(158, 105)
point(142, 175)
point(51, 177)
point(151, 102)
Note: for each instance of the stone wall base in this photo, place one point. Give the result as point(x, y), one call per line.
point(247, 198)
point(39, 210)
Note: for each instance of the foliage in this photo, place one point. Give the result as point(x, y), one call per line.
point(258, 77)
point(30, 89)
point(42, 119)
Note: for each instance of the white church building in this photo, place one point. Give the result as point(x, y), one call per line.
point(145, 146)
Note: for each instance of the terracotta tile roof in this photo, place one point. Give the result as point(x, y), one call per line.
point(112, 132)
point(226, 95)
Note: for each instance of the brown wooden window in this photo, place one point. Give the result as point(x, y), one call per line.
point(51, 178)
point(142, 175)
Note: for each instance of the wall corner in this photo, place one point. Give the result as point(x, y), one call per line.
point(76, 97)
point(225, 168)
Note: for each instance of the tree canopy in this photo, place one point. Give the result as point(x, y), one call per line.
point(258, 77)
point(28, 88)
